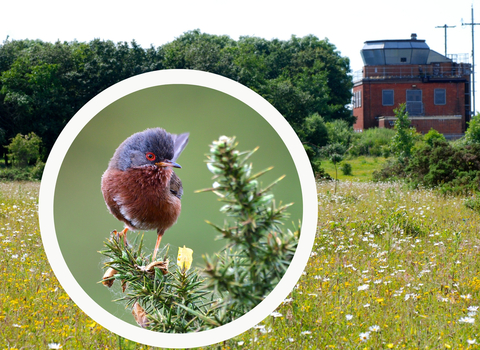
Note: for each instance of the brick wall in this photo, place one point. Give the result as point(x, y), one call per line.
point(372, 108)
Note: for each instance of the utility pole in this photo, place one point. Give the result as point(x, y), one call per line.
point(445, 26)
point(473, 24)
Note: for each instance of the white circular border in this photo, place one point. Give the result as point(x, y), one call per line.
point(89, 111)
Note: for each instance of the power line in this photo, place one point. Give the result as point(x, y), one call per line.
point(445, 26)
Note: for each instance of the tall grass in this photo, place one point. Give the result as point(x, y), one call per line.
point(34, 309)
point(391, 268)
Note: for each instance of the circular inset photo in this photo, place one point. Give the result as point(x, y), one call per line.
point(178, 208)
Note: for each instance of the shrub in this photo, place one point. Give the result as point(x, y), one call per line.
point(403, 141)
point(372, 142)
point(24, 149)
point(29, 173)
point(433, 135)
point(472, 134)
point(473, 202)
point(439, 164)
point(313, 131)
point(346, 169)
point(339, 131)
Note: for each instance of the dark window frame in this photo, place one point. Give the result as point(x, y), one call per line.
point(385, 101)
point(436, 98)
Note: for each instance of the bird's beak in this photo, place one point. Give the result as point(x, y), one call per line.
point(167, 162)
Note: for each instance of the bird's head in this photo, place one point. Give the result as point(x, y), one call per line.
point(152, 147)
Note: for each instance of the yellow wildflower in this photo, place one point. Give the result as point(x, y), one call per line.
point(184, 258)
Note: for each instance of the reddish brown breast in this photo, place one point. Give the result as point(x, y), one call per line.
point(141, 197)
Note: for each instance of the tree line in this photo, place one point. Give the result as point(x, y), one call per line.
point(44, 84)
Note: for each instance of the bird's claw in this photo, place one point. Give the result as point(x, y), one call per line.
point(119, 235)
point(162, 265)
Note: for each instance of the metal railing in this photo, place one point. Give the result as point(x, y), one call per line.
point(412, 71)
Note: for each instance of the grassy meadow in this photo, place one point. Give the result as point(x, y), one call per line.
point(362, 168)
point(391, 268)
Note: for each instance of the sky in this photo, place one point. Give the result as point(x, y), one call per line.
point(346, 23)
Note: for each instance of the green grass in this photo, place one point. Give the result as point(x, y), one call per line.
point(391, 268)
point(362, 168)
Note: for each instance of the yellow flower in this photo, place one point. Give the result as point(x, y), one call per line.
point(184, 258)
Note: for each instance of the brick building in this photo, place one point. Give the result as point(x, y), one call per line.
point(435, 89)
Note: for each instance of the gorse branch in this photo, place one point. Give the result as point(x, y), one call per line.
point(258, 251)
point(173, 298)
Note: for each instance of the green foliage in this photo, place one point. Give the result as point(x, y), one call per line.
point(43, 85)
point(28, 173)
point(314, 132)
point(433, 135)
point(257, 253)
point(473, 202)
point(439, 164)
point(346, 169)
point(472, 134)
point(372, 142)
point(340, 132)
point(402, 142)
point(335, 152)
point(24, 149)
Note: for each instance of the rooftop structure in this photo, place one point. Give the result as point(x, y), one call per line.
point(435, 88)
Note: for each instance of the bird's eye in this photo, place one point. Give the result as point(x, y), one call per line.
point(150, 156)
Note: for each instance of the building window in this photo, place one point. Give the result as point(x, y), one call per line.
point(387, 97)
point(357, 99)
point(440, 97)
point(414, 102)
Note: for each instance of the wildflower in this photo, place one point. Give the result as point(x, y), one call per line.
point(364, 336)
point(374, 328)
point(390, 345)
point(471, 341)
point(240, 343)
point(276, 314)
point(261, 328)
point(184, 258)
point(366, 305)
point(349, 317)
point(54, 346)
point(467, 320)
point(306, 332)
point(363, 287)
point(287, 300)
point(472, 308)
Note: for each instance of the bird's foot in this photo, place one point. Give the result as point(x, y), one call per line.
point(119, 235)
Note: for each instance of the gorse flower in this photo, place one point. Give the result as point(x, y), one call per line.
point(184, 258)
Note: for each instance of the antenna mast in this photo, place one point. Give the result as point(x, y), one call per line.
point(473, 24)
point(445, 26)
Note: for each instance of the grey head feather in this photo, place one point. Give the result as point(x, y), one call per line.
point(180, 142)
point(131, 152)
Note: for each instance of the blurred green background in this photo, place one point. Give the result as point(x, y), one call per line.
point(82, 221)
